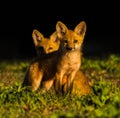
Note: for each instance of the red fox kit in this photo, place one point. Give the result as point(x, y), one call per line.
point(70, 60)
point(45, 45)
point(43, 69)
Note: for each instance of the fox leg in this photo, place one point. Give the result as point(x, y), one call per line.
point(59, 83)
point(68, 85)
point(32, 79)
point(36, 81)
point(47, 85)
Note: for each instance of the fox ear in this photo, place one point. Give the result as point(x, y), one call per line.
point(37, 37)
point(80, 29)
point(61, 29)
point(54, 37)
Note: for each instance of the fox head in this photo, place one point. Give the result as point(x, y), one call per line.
point(49, 45)
point(71, 39)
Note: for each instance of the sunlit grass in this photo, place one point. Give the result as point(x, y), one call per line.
point(18, 102)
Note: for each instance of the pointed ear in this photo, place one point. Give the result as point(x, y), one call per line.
point(37, 37)
point(54, 37)
point(61, 29)
point(80, 29)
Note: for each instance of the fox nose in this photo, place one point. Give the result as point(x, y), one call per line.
point(69, 48)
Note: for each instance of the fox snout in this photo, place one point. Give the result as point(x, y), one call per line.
point(70, 48)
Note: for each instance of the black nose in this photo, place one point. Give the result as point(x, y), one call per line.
point(69, 48)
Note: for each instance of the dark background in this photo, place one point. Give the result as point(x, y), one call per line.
point(18, 20)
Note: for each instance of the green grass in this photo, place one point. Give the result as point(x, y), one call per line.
point(104, 101)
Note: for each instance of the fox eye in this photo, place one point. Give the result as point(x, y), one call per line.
point(75, 41)
point(50, 48)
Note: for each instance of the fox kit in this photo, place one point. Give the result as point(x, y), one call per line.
point(42, 69)
point(44, 45)
point(70, 60)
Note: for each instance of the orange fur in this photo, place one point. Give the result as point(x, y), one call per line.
point(80, 84)
point(48, 45)
point(42, 69)
point(70, 60)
